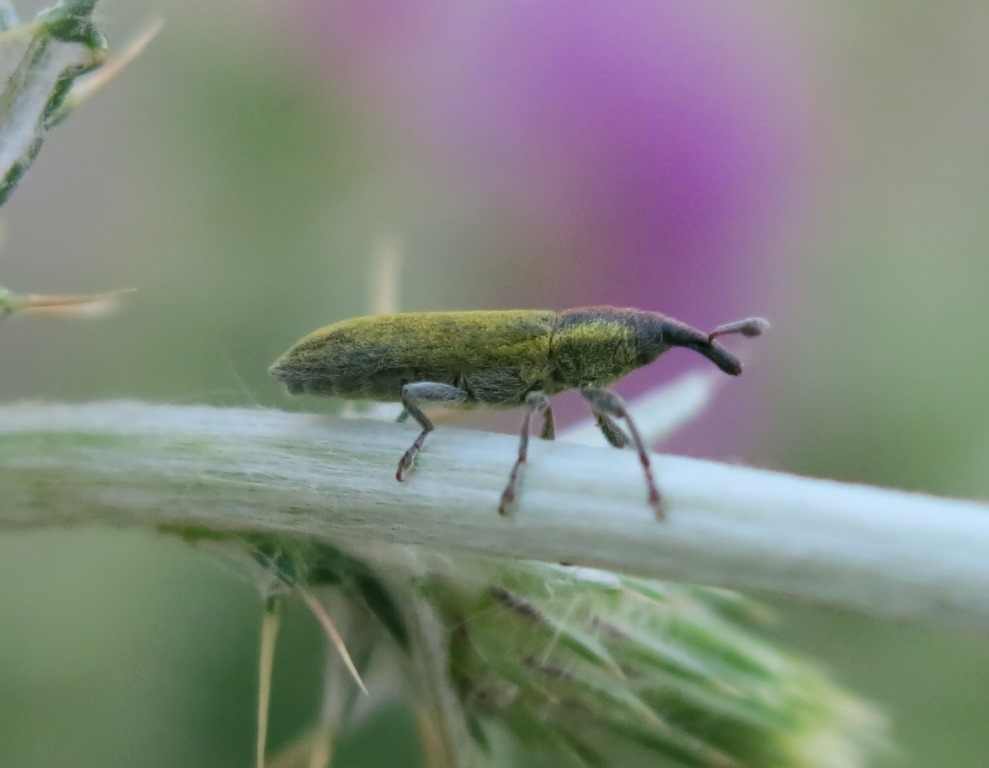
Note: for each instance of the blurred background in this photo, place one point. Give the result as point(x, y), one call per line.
point(824, 165)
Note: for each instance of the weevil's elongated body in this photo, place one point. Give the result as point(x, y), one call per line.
point(496, 359)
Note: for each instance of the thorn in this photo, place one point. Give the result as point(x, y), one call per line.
point(270, 622)
point(86, 87)
point(320, 614)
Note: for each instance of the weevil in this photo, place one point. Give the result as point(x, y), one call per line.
point(510, 358)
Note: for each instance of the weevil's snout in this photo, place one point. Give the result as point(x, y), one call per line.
point(721, 357)
point(680, 335)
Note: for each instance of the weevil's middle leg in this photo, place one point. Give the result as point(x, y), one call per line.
point(606, 404)
point(535, 402)
point(549, 427)
point(425, 392)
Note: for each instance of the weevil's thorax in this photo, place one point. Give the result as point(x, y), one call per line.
point(596, 346)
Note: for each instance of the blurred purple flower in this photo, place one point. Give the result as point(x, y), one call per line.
point(662, 145)
point(661, 138)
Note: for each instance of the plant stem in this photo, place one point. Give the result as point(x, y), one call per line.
point(884, 552)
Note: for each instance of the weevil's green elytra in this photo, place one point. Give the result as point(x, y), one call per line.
point(498, 359)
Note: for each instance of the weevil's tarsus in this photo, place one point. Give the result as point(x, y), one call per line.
point(424, 393)
point(535, 402)
point(605, 403)
point(270, 622)
point(405, 463)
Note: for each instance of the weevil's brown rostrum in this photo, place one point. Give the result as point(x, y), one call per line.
point(498, 359)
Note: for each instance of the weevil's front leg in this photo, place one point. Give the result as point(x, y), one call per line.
point(607, 404)
point(424, 393)
point(611, 431)
point(535, 402)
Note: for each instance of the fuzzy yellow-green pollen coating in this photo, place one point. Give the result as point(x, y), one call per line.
point(594, 351)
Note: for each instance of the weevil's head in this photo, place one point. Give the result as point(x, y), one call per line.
point(673, 333)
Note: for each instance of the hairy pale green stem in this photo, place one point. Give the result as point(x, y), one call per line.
point(881, 551)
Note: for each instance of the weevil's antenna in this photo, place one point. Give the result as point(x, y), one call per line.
point(751, 326)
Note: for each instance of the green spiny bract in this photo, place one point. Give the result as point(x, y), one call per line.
point(603, 670)
point(589, 668)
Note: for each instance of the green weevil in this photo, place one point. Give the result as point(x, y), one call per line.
point(511, 358)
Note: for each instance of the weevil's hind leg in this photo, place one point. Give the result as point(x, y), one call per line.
point(611, 431)
point(535, 402)
point(403, 416)
point(425, 393)
point(608, 404)
point(548, 431)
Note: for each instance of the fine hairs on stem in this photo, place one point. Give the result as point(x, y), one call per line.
point(869, 549)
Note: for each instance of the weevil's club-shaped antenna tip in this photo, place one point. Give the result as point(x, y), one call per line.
point(751, 326)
